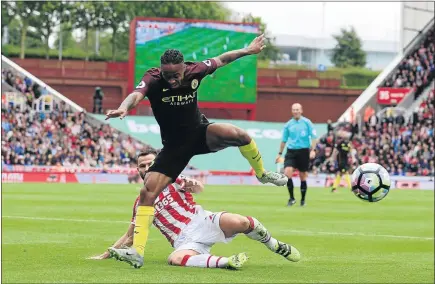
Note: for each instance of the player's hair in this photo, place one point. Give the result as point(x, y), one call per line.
point(172, 56)
point(148, 151)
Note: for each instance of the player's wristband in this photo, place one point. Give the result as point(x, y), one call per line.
point(280, 153)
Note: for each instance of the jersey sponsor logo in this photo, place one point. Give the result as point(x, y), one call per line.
point(179, 100)
point(194, 84)
point(163, 203)
point(207, 62)
point(303, 134)
point(141, 85)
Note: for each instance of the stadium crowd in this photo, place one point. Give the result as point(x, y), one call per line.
point(63, 138)
point(417, 69)
point(403, 148)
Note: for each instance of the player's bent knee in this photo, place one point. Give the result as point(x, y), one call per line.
point(233, 224)
point(244, 224)
point(243, 137)
point(238, 136)
point(240, 224)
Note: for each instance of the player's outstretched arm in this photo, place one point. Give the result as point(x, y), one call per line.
point(125, 240)
point(129, 103)
point(256, 46)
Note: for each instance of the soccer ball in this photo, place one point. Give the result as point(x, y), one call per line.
point(371, 182)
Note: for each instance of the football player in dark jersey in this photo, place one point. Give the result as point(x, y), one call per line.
point(342, 148)
point(172, 91)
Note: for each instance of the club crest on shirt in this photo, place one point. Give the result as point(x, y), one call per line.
point(194, 84)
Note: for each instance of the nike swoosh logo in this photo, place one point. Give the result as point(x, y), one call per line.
point(164, 90)
point(127, 253)
point(258, 153)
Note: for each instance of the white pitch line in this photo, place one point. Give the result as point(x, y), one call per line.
point(357, 234)
point(284, 231)
point(67, 220)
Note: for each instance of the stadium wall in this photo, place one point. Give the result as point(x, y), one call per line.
point(318, 105)
point(77, 79)
point(277, 89)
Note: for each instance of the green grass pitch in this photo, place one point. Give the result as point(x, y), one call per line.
point(49, 229)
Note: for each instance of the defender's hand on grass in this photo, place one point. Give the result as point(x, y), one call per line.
point(104, 255)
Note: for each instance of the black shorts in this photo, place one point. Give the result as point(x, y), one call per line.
point(343, 165)
point(298, 159)
point(175, 155)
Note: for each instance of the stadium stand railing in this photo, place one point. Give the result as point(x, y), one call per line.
point(9, 64)
point(368, 97)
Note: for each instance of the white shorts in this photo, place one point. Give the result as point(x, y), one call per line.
point(202, 233)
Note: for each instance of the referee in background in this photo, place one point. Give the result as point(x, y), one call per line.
point(299, 136)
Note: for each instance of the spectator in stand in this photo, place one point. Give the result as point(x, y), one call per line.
point(98, 100)
point(329, 127)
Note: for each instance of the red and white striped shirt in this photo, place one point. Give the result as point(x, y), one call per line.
point(174, 209)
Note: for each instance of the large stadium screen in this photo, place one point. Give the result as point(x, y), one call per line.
point(200, 40)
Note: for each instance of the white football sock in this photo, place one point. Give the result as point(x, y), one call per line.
point(260, 233)
point(205, 260)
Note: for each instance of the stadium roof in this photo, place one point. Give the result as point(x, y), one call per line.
point(283, 40)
